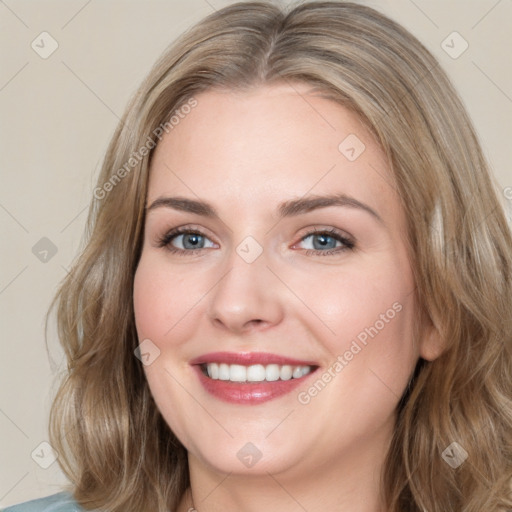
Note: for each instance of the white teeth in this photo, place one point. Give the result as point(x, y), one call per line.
point(224, 371)
point(213, 370)
point(272, 372)
point(305, 370)
point(297, 372)
point(255, 372)
point(287, 371)
point(237, 373)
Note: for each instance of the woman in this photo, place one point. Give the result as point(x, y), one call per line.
point(297, 290)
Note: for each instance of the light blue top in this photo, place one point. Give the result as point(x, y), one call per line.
point(60, 502)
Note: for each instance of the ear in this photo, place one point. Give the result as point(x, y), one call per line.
point(431, 345)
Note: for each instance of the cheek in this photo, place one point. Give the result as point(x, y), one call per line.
point(163, 300)
point(159, 303)
point(148, 297)
point(372, 354)
point(365, 320)
point(354, 302)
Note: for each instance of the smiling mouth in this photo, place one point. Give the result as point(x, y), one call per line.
point(255, 373)
point(251, 378)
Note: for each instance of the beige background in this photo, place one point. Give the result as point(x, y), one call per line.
point(57, 115)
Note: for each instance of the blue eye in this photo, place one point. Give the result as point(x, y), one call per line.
point(327, 242)
point(184, 241)
point(323, 241)
point(191, 241)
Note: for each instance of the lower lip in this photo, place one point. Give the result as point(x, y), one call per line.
point(250, 393)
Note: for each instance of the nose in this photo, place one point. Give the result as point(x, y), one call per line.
point(248, 297)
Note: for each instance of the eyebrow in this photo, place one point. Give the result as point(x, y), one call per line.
point(310, 203)
point(185, 205)
point(289, 208)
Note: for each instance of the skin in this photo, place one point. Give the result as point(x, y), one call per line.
point(245, 153)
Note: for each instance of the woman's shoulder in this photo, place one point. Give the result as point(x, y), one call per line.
point(60, 502)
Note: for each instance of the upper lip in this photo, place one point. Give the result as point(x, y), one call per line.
point(249, 358)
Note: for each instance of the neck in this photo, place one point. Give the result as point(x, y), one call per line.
point(350, 482)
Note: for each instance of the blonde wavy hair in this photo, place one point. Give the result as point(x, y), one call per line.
point(114, 445)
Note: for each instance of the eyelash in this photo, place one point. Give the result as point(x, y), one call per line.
point(331, 233)
point(166, 240)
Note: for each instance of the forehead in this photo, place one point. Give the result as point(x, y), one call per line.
point(271, 143)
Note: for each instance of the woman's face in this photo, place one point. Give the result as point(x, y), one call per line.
point(294, 262)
